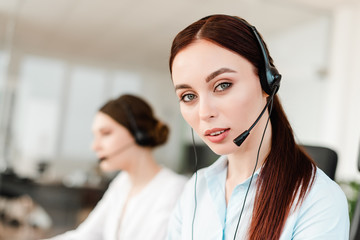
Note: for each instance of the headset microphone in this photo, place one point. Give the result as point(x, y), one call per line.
point(120, 150)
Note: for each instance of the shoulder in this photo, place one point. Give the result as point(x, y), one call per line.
point(203, 177)
point(169, 183)
point(325, 207)
point(164, 191)
point(172, 176)
point(322, 215)
point(198, 178)
point(326, 190)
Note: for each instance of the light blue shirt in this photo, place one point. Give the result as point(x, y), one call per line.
point(322, 215)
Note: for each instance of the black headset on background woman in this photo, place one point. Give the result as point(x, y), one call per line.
point(142, 138)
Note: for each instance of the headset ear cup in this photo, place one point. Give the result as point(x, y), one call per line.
point(264, 82)
point(273, 80)
point(142, 138)
point(270, 80)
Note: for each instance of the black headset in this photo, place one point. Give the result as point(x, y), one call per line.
point(141, 137)
point(270, 78)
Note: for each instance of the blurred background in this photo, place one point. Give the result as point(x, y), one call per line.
point(60, 60)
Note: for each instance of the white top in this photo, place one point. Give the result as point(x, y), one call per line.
point(322, 216)
point(146, 214)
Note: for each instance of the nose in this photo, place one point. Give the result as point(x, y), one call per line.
point(95, 146)
point(207, 109)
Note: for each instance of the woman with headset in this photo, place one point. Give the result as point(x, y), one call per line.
point(264, 186)
point(139, 200)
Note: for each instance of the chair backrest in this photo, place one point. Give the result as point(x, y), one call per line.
point(325, 158)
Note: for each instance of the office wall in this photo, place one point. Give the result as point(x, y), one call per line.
point(320, 84)
point(318, 60)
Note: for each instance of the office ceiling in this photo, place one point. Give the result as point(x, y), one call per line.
point(127, 33)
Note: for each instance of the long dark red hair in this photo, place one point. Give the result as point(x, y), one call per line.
point(288, 172)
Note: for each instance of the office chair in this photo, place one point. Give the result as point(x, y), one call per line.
point(325, 158)
point(355, 223)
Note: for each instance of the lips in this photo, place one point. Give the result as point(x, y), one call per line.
point(101, 157)
point(217, 135)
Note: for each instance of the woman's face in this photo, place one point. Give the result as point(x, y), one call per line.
point(111, 142)
point(219, 91)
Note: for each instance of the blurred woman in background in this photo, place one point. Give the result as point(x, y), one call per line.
point(139, 200)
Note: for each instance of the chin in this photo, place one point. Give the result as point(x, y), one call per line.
point(222, 149)
point(106, 167)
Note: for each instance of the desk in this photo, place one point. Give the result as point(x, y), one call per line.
point(63, 204)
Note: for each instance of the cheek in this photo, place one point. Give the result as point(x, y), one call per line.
point(248, 110)
point(242, 105)
point(111, 142)
point(240, 109)
point(189, 115)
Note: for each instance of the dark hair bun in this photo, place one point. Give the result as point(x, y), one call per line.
point(161, 133)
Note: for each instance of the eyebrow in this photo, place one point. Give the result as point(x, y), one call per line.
point(182, 86)
point(217, 73)
point(210, 77)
